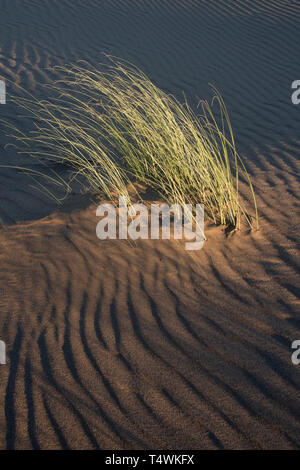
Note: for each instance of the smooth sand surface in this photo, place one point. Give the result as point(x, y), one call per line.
point(112, 346)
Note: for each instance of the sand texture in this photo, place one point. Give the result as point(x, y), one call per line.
point(114, 346)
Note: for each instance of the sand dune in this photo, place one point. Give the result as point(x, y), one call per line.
point(114, 346)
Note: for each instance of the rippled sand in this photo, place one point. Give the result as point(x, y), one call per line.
point(114, 346)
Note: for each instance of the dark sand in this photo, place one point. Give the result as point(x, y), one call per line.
point(118, 347)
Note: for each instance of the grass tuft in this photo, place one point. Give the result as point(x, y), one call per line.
point(114, 126)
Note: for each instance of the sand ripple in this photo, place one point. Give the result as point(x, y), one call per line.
point(112, 346)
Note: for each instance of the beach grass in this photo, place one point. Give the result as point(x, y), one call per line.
point(113, 126)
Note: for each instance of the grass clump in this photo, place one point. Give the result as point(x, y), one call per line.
point(114, 125)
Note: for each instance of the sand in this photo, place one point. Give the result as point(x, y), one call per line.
point(113, 346)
